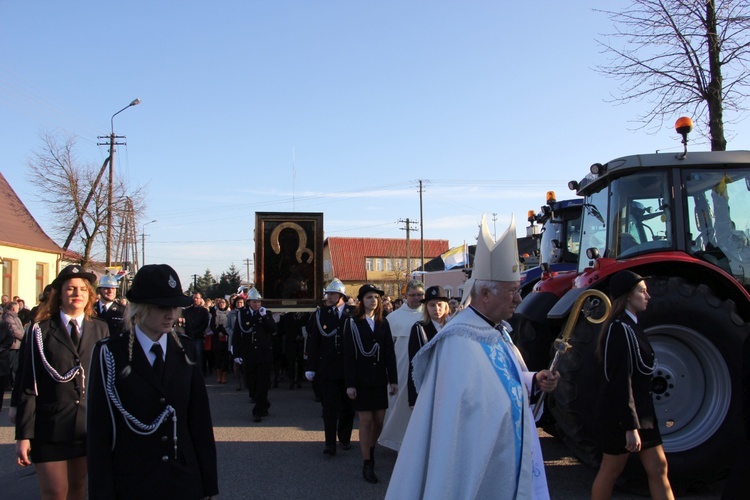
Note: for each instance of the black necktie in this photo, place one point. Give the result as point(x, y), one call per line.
point(159, 361)
point(75, 337)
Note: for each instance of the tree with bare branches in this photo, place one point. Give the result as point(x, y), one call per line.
point(64, 183)
point(681, 57)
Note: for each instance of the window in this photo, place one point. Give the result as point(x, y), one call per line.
point(389, 264)
point(41, 277)
point(8, 275)
point(378, 264)
point(368, 264)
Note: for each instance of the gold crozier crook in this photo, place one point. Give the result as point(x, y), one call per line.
point(561, 344)
point(301, 249)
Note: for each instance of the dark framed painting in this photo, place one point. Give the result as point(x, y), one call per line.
point(289, 259)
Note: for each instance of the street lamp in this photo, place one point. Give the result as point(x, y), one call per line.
point(112, 137)
point(143, 241)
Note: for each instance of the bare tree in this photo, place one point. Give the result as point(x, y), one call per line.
point(681, 57)
point(64, 183)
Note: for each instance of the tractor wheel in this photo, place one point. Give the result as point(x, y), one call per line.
point(534, 340)
point(698, 393)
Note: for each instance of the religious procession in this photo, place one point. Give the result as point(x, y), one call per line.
point(105, 393)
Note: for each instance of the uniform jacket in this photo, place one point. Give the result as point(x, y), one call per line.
point(421, 333)
point(252, 339)
point(114, 316)
point(125, 464)
point(625, 401)
point(364, 371)
point(325, 348)
point(57, 412)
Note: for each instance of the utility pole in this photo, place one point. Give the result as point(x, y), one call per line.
point(247, 263)
point(408, 228)
point(195, 283)
point(494, 224)
point(112, 144)
point(421, 224)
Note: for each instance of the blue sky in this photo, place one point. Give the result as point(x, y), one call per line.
point(325, 106)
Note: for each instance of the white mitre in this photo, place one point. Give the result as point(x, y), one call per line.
point(497, 261)
point(494, 260)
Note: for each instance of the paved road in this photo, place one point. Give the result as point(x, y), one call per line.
point(282, 457)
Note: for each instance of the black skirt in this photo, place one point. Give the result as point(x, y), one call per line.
point(56, 452)
point(612, 440)
point(371, 398)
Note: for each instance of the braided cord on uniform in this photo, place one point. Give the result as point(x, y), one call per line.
point(61, 379)
point(358, 341)
point(108, 376)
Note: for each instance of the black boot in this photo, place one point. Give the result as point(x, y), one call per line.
point(368, 471)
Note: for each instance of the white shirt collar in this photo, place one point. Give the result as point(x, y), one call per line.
point(146, 344)
point(78, 319)
point(632, 316)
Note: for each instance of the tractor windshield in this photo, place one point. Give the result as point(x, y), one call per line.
point(630, 216)
point(561, 235)
point(718, 204)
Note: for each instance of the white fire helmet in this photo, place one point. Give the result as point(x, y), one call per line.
point(336, 286)
point(108, 281)
point(253, 294)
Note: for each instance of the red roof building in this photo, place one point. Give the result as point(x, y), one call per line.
point(29, 258)
point(381, 261)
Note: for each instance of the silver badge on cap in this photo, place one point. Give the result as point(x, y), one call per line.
point(74, 270)
point(172, 283)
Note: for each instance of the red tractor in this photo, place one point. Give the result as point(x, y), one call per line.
point(684, 221)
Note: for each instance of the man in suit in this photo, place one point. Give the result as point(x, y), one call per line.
point(107, 309)
point(197, 319)
point(326, 366)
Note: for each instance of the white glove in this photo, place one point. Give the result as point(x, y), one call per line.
point(262, 311)
point(309, 376)
point(238, 361)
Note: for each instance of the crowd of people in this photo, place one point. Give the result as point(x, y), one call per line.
point(107, 389)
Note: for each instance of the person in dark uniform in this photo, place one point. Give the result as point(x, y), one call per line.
point(290, 328)
point(369, 371)
point(149, 421)
point(50, 391)
point(625, 407)
point(107, 308)
point(325, 365)
point(252, 341)
point(436, 313)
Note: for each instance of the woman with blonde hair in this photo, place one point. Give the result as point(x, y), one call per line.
point(436, 314)
point(149, 421)
point(50, 391)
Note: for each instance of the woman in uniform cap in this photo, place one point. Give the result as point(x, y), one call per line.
point(625, 408)
point(51, 386)
point(369, 371)
point(436, 312)
point(149, 422)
